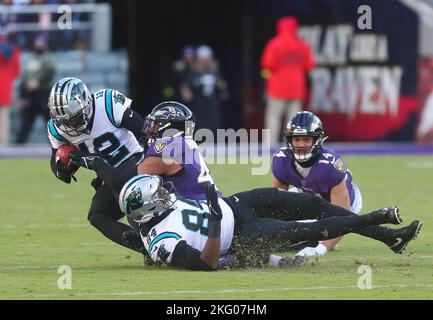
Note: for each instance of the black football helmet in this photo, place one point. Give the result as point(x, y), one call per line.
point(305, 123)
point(169, 115)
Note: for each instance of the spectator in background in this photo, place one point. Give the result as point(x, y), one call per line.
point(205, 90)
point(11, 17)
point(285, 63)
point(180, 70)
point(35, 86)
point(9, 71)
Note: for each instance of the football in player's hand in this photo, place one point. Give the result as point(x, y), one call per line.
point(62, 154)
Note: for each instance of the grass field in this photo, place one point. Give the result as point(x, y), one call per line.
point(43, 226)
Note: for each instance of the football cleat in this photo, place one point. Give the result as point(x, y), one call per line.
point(293, 262)
point(402, 236)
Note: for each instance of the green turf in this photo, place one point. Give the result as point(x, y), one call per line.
point(43, 226)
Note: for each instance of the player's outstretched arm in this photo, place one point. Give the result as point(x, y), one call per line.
point(187, 257)
point(211, 252)
point(158, 166)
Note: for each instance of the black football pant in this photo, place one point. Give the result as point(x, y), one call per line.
point(105, 213)
point(265, 218)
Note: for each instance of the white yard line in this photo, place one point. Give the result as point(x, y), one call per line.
point(329, 260)
point(419, 165)
point(72, 266)
point(59, 245)
point(47, 225)
point(154, 293)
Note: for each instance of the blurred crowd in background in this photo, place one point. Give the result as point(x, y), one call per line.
point(197, 81)
point(31, 47)
point(196, 78)
point(31, 32)
point(265, 63)
point(30, 25)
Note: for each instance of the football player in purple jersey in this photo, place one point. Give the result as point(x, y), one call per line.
point(172, 152)
point(307, 166)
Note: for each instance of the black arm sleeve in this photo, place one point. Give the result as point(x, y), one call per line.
point(134, 122)
point(185, 256)
point(61, 173)
point(53, 161)
point(114, 177)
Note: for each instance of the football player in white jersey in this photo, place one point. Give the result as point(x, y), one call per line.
point(101, 123)
point(192, 234)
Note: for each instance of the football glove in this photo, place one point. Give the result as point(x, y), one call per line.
point(84, 159)
point(215, 213)
point(66, 174)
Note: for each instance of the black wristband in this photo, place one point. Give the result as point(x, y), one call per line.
point(214, 229)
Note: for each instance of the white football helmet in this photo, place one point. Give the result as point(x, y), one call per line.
point(143, 198)
point(70, 104)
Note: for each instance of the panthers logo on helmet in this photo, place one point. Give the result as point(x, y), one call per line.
point(134, 200)
point(339, 166)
